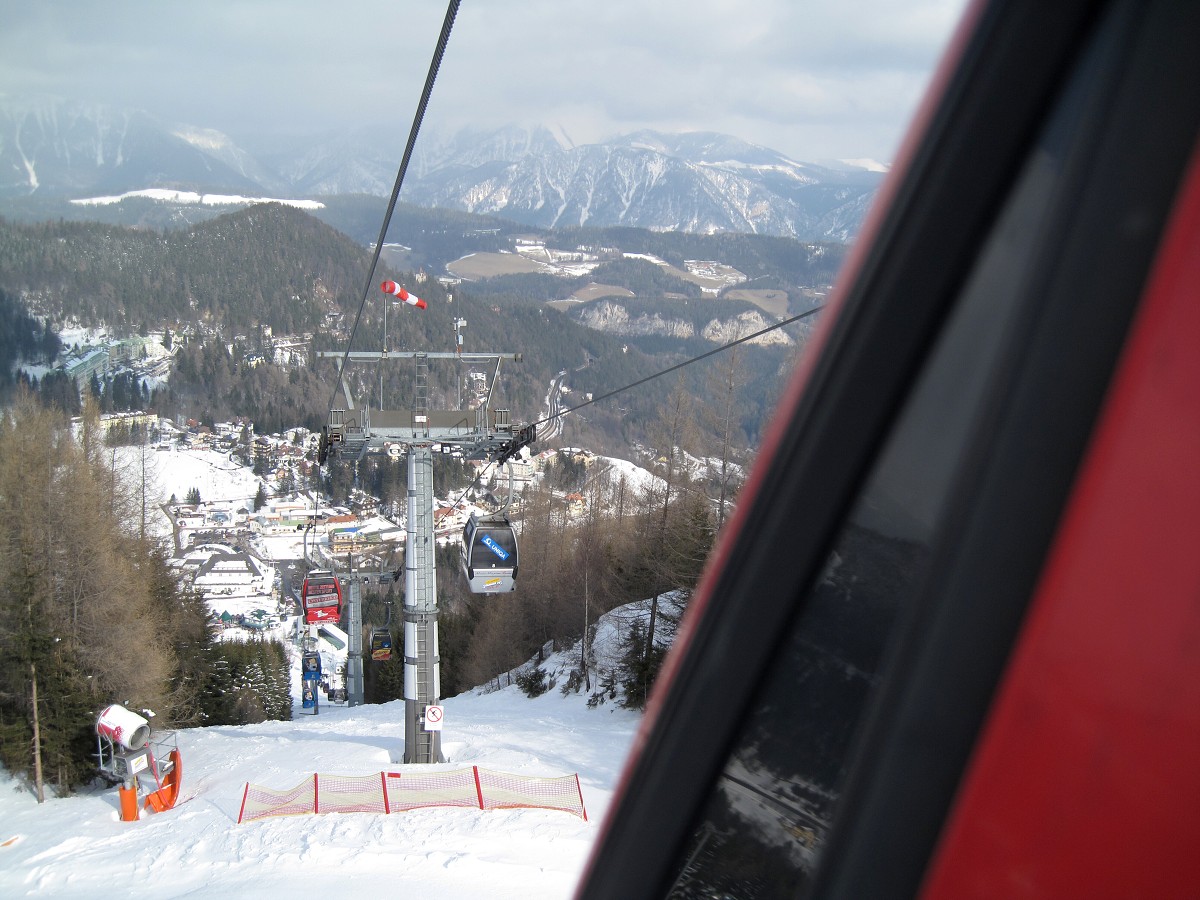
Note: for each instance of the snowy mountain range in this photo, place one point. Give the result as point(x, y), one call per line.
point(696, 182)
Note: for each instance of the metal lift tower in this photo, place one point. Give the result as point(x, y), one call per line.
point(481, 433)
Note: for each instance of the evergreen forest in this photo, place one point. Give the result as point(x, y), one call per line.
point(91, 610)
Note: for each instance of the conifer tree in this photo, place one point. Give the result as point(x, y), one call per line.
point(639, 666)
point(675, 434)
point(80, 622)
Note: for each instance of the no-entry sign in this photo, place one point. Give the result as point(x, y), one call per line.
point(433, 718)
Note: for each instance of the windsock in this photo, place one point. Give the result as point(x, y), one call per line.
point(390, 287)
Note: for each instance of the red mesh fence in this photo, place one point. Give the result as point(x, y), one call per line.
point(350, 793)
point(400, 791)
point(260, 802)
point(498, 790)
point(416, 790)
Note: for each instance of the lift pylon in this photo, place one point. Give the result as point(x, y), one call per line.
point(482, 433)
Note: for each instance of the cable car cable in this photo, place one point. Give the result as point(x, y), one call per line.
point(642, 381)
point(430, 78)
point(686, 362)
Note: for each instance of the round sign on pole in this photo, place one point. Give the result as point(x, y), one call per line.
point(433, 718)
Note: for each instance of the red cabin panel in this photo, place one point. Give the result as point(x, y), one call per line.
point(321, 597)
point(1086, 780)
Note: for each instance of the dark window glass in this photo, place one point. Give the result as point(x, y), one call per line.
point(495, 547)
point(766, 820)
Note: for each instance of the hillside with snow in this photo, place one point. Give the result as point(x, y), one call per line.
point(77, 846)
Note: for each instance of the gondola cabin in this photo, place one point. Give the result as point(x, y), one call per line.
point(381, 645)
point(321, 597)
point(489, 554)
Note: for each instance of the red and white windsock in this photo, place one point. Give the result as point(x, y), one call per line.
point(390, 287)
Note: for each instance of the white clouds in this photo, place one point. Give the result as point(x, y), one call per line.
point(810, 79)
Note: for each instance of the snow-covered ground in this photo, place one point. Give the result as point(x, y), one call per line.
point(217, 478)
point(191, 198)
point(78, 847)
point(636, 477)
point(173, 471)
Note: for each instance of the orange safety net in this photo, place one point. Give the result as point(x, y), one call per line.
point(390, 792)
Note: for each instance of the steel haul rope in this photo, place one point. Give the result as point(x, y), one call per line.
point(434, 65)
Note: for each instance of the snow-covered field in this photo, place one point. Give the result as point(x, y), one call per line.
point(191, 198)
point(213, 474)
point(78, 847)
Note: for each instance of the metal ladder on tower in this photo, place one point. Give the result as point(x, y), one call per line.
point(421, 391)
point(421, 605)
point(424, 687)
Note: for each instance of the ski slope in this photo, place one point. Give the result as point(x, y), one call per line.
point(77, 846)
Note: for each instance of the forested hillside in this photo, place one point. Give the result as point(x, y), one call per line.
point(432, 237)
point(267, 265)
point(22, 338)
point(223, 287)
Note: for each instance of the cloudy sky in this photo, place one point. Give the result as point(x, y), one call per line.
point(835, 79)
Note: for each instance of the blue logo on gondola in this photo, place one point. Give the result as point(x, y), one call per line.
point(487, 541)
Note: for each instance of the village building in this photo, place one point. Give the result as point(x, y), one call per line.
point(230, 582)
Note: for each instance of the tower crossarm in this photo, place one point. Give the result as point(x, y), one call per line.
point(354, 428)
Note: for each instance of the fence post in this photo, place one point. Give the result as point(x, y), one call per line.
point(478, 787)
point(582, 808)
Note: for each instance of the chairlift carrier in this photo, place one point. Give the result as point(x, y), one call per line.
point(381, 645)
point(381, 639)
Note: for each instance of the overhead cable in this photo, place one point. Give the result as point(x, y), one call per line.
point(434, 65)
point(686, 362)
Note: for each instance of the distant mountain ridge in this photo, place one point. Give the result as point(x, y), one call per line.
point(76, 149)
point(698, 182)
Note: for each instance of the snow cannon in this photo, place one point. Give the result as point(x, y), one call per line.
point(125, 752)
point(396, 290)
point(122, 727)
